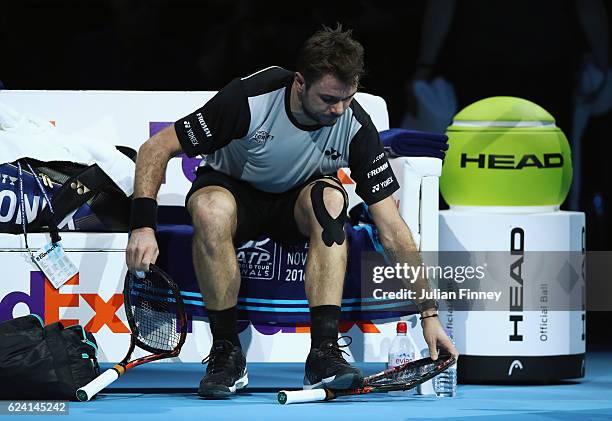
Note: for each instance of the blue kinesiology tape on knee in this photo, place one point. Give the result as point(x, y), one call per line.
point(333, 228)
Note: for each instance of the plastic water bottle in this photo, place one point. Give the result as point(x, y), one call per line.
point(402, 351)
point(445, 383)
point(425, 389)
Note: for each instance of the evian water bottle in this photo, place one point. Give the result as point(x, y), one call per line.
point(402, 350)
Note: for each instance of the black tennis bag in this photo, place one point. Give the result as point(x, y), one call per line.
point(45, 362)
point(84, 198)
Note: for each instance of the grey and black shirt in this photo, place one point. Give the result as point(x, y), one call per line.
point(248, 132)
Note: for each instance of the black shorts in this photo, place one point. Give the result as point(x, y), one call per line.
point(259, 213)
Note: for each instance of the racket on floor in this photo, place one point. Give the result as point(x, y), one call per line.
point(402, 377)
point(157, 320)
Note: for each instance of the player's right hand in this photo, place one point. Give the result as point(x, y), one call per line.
point(141, 249)
point(435, 337)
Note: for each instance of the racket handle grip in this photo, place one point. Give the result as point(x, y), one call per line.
point(285, 397)
point(92, 388)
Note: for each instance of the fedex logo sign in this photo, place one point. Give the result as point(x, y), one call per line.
point(43, 299)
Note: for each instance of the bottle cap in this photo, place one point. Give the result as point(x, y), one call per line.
point(402, 327)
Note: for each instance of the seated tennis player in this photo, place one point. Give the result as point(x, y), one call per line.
point(272, 143)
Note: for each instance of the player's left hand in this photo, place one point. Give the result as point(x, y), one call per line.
point(436, 338)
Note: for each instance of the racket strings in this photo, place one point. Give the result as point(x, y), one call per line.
point(154, 313)
point(409, 374)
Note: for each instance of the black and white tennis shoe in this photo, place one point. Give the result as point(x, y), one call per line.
point(226, 371)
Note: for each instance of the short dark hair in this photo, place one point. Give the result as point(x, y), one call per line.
point(334, 52)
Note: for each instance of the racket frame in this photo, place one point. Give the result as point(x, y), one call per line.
point(443, 363)
point(85, 393)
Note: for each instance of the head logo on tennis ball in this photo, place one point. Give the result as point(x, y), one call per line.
point(505, 151)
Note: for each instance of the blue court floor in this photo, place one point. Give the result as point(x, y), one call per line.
point(167, 392)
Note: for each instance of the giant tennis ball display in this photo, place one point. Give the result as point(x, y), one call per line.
point(505, 151)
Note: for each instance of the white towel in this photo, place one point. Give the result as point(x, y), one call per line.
point(23, 136)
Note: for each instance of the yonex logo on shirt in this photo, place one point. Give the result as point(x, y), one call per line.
point(332, 153)
point(203, 124)
point(382, 185)
point(190, 133)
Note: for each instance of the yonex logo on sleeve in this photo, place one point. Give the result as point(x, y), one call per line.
point(382, 184)
point(190, 133)
point(207, 131)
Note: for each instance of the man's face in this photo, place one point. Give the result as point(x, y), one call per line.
point(326, 99)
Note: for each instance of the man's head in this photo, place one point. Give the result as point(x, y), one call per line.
point(329, 68)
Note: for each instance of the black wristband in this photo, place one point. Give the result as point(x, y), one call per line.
point(427, 317)
point(144, 213)
point(427, 305)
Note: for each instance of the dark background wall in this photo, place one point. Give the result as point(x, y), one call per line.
point(524, 48)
